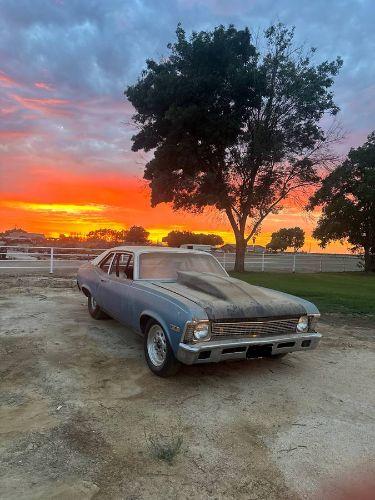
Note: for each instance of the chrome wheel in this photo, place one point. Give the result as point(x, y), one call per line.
point(156, 345)
point(93, 302)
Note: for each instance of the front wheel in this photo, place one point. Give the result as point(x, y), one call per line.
point(94, 309)
point(158, 352)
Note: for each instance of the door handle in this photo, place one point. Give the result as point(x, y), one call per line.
point(103, 279)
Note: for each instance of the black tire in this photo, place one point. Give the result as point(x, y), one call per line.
point(94, 309)
point(166, 367)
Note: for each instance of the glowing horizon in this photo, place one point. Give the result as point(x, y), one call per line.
point(55, 219)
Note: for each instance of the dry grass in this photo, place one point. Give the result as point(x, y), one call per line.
point(165, 448)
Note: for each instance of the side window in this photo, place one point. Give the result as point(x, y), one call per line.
point(104, 265)
point(130, 268)
point(122, 266)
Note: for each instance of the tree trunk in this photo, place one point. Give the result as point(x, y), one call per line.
point(369, 261)
point(241, 244)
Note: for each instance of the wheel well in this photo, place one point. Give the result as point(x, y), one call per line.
point(143, 322)
point(85, 291)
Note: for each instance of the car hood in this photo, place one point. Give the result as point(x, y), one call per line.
point(224, 297)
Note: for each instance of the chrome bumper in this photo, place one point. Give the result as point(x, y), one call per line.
point(220, 350)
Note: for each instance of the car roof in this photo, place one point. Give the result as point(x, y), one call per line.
point(150, 248)
point(137, 250)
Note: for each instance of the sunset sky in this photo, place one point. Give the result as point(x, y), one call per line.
point(65, 151)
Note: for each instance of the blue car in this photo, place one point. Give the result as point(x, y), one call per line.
point(189, 310)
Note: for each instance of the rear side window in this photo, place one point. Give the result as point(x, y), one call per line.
point(104, 265)
point(122, 266)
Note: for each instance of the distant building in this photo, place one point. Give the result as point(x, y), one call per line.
point(197, 246)
point(21, 237)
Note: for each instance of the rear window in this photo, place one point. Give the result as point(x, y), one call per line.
point(165, 265)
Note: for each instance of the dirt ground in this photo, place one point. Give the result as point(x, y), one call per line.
point(79, 409)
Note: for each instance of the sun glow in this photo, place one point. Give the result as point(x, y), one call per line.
point(80, 218)
point(71, 209)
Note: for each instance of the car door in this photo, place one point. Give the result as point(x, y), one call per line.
point(115, 287)
point(102, 274)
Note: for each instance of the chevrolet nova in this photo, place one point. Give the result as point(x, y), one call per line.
point(190, 311)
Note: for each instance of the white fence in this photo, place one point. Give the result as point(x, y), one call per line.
point(295, 262)
point(51, 259)
point(45, 258)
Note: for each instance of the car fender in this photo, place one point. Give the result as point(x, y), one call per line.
point(87, 279)
point(173, 337)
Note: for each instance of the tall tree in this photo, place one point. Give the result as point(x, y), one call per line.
point(178, 238)
point(233, 127)
point(292, 237)
point(278, 242)
point(297, 236)
point(137, 234)
point(207, 239)
point(347, 196)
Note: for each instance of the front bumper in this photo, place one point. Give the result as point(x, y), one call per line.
point(220, 350)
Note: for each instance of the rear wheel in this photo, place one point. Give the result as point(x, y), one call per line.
point(94, 310)
point(158, 352)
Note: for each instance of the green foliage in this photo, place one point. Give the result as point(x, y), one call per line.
point(178, 238)
point(232, 127)
point(105, 238)
point(293, 237)
point(137, 234)
point(347, 196)
point(346, 293)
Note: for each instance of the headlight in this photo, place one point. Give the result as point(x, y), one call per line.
point(202, 331)
point(303, 324)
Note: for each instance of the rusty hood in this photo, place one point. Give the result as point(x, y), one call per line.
point(225, 297)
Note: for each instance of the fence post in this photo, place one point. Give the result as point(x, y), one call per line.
point(294, 263)
point(343, 264)
point(51, 262)
point(321, 264)
point(263, 262)
point(224, 261)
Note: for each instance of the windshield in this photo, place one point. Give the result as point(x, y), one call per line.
point(164, 265)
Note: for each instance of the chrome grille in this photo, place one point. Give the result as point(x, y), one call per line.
point(260, 328)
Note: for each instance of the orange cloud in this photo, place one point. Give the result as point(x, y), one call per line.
point(7, 81)
point(45, 105)
point(63, 208)
point(6, 135)
point(8, 110)
point(43, 85)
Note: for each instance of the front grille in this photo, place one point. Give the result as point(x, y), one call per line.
point(255, 328)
